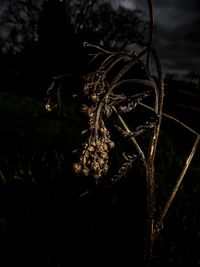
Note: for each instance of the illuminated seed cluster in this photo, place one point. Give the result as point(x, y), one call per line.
point(94, 158)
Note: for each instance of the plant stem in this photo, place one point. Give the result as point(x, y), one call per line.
point(150, 173)
point(139, 150)
point(176, 187)
point(151, 24)
point(171, 118)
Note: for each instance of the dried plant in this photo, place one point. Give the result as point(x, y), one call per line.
point(109, 93)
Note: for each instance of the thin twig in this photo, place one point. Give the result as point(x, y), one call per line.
point(116, 61)
point(136, 81)
point(171, 118)
point(151, 24)
point(128, 66)
point(86, 44)
point(139, 150)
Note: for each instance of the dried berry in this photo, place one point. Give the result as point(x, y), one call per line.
point(77, 168)
point(86, 172)
point(94, 98)
point(111, 144)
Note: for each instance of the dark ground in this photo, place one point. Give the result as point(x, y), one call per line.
point(52, 217)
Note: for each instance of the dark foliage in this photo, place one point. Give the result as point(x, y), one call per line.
point(99, 23)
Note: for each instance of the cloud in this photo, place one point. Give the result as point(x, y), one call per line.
point(129, 4)
point(177, 34)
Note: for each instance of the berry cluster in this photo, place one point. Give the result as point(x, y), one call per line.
point(94, 158)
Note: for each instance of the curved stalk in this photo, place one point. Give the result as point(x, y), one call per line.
point(159, 223)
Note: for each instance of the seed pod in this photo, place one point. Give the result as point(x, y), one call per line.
point(48, 108)
point(86, 153)
point(90, 113)
point(95, 166)
point(105, 147)
point(104, 155)
point(91, 148)
point(100, 147)
point(85, 145)
point(85, 172)
point(111, 144)
point(94, 98)
point(88, 162)
point(105, 129)
point(98, 142)
point(102, 130)
point(105, 169)
point(93, 143)
point(101, 161)
point(77, 168)
point(85, 86)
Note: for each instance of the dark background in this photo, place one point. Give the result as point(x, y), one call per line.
point(50, 216)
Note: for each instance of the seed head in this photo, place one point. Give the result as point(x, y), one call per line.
point(86, 172)
point(77, 168)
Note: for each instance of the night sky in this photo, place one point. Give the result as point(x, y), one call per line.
point(177, 32)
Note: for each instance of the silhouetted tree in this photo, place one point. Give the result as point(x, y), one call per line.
point(94, 21)
point(60, 51)
point(49, 33)
point(100, 23)
point(18, 24)
point(193, 75)
point(58, 45)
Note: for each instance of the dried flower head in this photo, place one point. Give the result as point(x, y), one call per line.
point(94, 157)
point(101, 100)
